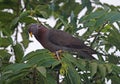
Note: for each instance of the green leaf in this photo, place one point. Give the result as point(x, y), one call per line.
point(80, 63)
point(42, 70)
point(109, 68)
point(25, 37)
point(40, 11)
point(102, 70)
point(94, 15)
point(113, 38)
point(5, 56)
point(72, 76)
point(40, 57)
point(116, 69)
point(6, 18)
point(93, 68)
point(34, 53)
point(115, 79)
point(113, 59)
point(24, 14)
point(17, 19)
point(87, 3)
point(14, 23)
point(58, 25)
point(14, 72)
point(19, 53)
point(5, 42)
point(56, 63)
point(106, 28)
point(28, 20)
point(113, 16)
point(14, 68)
point(51, 79)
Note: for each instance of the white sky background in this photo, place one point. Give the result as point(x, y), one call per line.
point(36, 45)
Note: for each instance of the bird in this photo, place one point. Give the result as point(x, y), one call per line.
point(57, 40)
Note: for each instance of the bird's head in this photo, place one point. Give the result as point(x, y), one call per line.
point(33, 28)
point(36, 29)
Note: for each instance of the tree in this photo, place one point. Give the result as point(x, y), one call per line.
point(102, 24)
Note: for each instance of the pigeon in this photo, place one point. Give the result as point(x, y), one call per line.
point(55, 40)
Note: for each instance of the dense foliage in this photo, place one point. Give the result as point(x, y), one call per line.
point(102, 25)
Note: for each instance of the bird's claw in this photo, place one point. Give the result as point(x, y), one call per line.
point(57, 54)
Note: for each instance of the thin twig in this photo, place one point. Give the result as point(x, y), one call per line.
point(98, 33)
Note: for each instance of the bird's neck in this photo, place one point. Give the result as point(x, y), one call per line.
point(42, 34)
point(43, 30)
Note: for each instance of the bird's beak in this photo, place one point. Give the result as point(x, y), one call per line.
point(31, 34)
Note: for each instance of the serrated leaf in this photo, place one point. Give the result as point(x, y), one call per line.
point(19, 53)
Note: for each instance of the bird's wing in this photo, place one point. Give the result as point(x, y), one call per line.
point(64, 39)
point(61, 38)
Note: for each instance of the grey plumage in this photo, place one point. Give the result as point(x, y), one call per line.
point(55, 40)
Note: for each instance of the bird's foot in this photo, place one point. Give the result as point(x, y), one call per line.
point(58, 54)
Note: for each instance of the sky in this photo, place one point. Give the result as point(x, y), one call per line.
point(111, 2)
